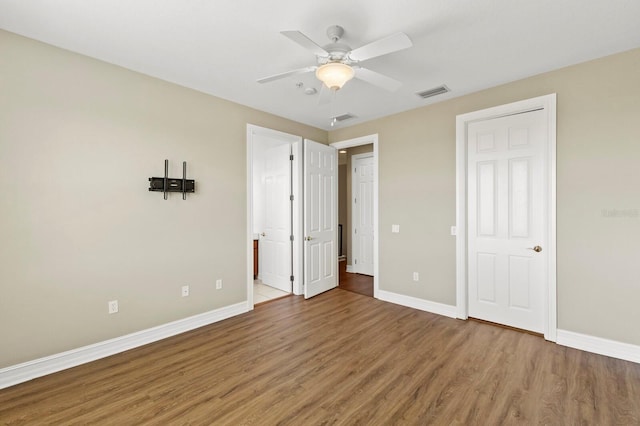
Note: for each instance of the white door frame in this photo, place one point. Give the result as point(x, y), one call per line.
point(548, 104)
point(364, 140)
point(355, 191)
point(296, 142)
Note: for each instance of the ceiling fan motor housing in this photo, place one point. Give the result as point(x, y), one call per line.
point(338, 52)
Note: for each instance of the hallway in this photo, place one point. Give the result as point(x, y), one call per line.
point(356, 283)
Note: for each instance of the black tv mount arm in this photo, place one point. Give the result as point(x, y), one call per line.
point(166, 184)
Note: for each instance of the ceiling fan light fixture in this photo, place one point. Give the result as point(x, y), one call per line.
point(334, 74)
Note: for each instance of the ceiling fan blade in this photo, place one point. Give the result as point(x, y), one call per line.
point(377, 79)
point(305, 42)
point(390, 44)
point(286, 74)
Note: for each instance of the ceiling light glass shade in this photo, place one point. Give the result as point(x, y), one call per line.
point(334, 74)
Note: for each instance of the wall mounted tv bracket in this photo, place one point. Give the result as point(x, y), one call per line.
point(166, 184)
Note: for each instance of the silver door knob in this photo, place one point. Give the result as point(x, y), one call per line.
point(537, 249)
point(308, 238)
point(263, 234)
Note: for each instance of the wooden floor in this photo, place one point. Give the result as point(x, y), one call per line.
point(357, 283)
point(339, 358)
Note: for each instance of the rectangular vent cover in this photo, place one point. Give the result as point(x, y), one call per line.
point(344, 117)
point(433, 92)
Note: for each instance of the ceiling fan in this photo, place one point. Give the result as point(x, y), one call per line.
point(337, 63)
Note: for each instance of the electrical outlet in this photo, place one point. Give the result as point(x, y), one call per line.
point(395, 229)
point(113, 307)
point(185, 290)
point(416, 276)
point(218, 284)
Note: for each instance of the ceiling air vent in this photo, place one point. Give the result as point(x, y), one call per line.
point(433, 92)
point(343, 117)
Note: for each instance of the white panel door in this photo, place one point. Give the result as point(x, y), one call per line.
point(507, 219)
point(362, 232)
point(320, 218)
point(275, 245)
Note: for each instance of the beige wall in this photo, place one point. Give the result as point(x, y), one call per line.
point(78, 140)
point(598, 153)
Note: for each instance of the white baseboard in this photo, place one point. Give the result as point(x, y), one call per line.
point(350, 268)
point(19, 373)
point(421, 304)
point(599, 345)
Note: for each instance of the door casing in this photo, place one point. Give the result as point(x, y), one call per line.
point(548, 104)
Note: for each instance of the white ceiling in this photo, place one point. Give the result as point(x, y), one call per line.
point(222, 47)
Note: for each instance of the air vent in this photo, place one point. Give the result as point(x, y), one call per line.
point(343, 117)
point(433, 92)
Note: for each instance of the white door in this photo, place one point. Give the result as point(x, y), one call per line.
point(275, 245)
point(320, 218)
point(507, 219)
point(362, 202)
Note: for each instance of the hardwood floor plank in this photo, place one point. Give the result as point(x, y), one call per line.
point(339, 358)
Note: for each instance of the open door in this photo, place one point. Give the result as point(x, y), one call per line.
point(320, 218)
point(275, 244)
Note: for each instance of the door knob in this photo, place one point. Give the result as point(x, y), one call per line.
point(263, 234)
point(537, 249)
point(308, 238)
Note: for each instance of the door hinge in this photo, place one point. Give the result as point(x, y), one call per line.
point(355, 231)
point(290, 197)
point(355, 201)
point(290, 237)
point(291, 278)
point(356, 261)
point(291, 157)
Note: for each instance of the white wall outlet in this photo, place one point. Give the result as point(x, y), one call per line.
point(395, 229)
point(113, 306)
point(416, 276)
point(454, 230)
point(185, 290)
point(218, 284)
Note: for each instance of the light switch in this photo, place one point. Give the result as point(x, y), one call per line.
point(395, 228)
point(454, 230)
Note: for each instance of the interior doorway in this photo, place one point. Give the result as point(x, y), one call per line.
point(271, 213)
point(303, 236)
point(365, 280)
point(506, 238)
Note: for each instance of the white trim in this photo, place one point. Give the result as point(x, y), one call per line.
point(548, 103)
point(20, 373)
point(598, 345)
point(350, 269)
point(298, 215)
point(421, 304)
point(364, 140)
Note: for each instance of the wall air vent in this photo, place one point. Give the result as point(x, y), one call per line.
point(433, 92)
